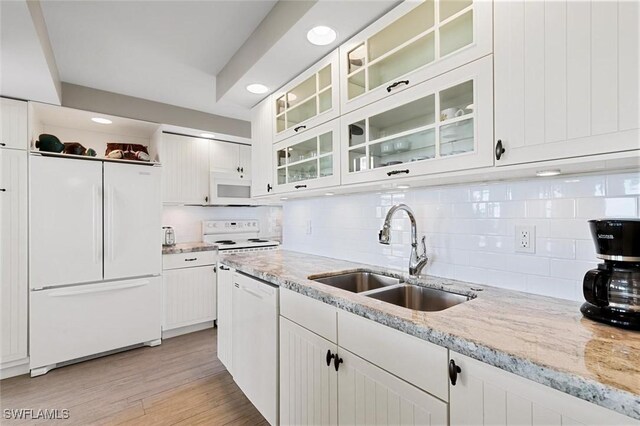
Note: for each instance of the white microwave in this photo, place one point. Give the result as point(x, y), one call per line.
point(230, 189)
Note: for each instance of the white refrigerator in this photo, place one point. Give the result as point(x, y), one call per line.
point(94, 258)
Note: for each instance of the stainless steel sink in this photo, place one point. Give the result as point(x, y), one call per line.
point(357, 282)
point(419, 298)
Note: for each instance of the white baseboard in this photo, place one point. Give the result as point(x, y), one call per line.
point(167, 334)
point(14, 368)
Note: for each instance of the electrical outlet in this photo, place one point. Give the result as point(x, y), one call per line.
point(308, 227)
point(525, 239)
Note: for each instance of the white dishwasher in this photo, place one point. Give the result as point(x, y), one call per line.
point(255, 342)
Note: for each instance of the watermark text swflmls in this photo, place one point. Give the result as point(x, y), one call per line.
point(35, 414)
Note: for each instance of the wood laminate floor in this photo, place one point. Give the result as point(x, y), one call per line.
point(180, 382)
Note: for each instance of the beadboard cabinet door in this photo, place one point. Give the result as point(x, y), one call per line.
point(261, 147)
point(13, 255)
point(185, 169)
point(13, 124)
point(224, 314)
point(370, 395)
point(486, 395)
point(308, 380)
point(566, 78)
point(189, 296)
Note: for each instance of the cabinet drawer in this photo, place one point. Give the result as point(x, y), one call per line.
point(309, 313)
point(420, 363)
point(188, 260)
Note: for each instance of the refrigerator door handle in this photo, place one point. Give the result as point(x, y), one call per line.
point(102, 288)
point(109, 222)
point(96, 224)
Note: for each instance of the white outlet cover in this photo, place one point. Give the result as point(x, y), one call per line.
point(525, 239)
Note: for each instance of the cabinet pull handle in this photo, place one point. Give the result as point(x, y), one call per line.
point(3, 144)
point(3, 190)
point(238, 169)
point(499, 149)
point(191, 259)
point(215, 269)
point(329, 357)
point(300, 186)
point(396, 84)
point(297, 129)
point(206, 199)
point(337, 361)
point(223, 268)
point(269, 187)
point(453, 372)
point(241, 169)
point(397, 172)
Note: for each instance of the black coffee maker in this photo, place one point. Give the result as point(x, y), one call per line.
point(613, 290)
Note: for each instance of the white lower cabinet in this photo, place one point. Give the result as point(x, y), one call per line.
point(369, 395)
point(308, 380)
point(486, 395)
point(189, 290)
point(13, 257)
point(224, 335)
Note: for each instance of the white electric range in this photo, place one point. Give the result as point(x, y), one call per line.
point(236, 236)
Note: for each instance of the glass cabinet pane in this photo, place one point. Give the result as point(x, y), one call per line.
point(301, 112)
point(355, 86)
point(303, 150)
point(357, 159)
point(301, 92)
point(325, 142)
point(456, 101)
point(356, 58)
point(326, 166)
point(280, 105)
point(412, 115)
point(324, 101)
point(280, 123)
point(456, 138)
point(414, 147)
point(409, 58)
point(451, 7)
point(324, 77)
point(456, 34)
point(282, 157)
point(410, 25)
point(356, 133)
point(303, 171)
point(282, 176)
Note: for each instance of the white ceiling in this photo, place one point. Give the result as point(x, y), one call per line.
point(165, 51)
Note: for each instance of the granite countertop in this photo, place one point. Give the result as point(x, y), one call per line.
point(543, 339)
point(188, 247)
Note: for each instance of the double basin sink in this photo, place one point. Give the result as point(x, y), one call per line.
point(393, 290)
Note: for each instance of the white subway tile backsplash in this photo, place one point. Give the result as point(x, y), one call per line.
point(470, 229)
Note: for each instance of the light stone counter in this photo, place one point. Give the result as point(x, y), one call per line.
point(543, 339)
point(188, 248)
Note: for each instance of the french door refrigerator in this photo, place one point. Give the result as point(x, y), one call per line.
point(94, 258)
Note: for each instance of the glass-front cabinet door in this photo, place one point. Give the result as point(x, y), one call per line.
point(412, 43)
point(441, 125)
point(309, 160)
point(310, 99)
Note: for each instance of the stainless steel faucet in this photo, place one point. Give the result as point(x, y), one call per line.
point(416, 262)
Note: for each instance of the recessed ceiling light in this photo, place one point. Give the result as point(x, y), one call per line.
point(329, 193)
point(321, 35)
point(546, 173)
point(403, 187)
point(101, 120)
point(207, 135)
point(258, 89)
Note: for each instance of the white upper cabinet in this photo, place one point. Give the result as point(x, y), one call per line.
point(308, 161)
point(185, 169)
point(308, 100)
point(414, 42)
point(261, 148)
point(441, 125)
point(566, 76)
point(13, 124)
point(232, 158)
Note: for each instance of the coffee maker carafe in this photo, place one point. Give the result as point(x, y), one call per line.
point(613, 290)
